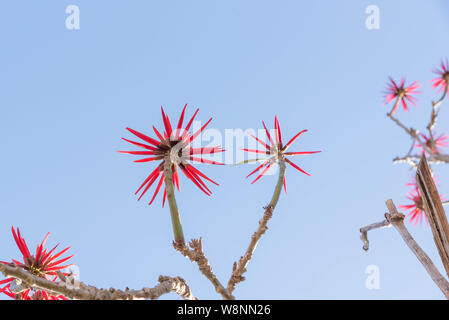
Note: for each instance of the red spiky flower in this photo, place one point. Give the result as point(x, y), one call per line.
point(44, 263)
point(276, 150)
point(434, 145)
point(401, 93)
point(416, 209)
point(173, 148)
point(442, 80)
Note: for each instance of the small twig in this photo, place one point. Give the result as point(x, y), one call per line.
point(84, 292)
point(434, 113)
point(413, 160)
point(397, 220)
point(196, 255)
point(411, 132)
point(364, 231)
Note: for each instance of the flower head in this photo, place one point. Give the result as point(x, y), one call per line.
point(416, 209)
point(434, 145)
point(276, 150)
point(401, 93)
point(44, 263)
point(442, 80)
point(173, 149)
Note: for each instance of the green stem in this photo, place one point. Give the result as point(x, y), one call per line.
point(280, 183)
point(175, 218)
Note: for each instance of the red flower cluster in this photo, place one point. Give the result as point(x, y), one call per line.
point(416, 209)
point(403, 93)
point(43, 264)
point(173, 149)
point(443, 76)
point(277, 151)
point(434, 145)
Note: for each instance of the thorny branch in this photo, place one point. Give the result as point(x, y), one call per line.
point(80, 291)
point(239, 268)
point(195, 254)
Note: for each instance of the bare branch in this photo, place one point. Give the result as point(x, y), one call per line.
point(80, 291)
point(397, 220)
point(434, 113)
point(413, 160)
point(196, 255)
point(240, 268)
point(364, 231)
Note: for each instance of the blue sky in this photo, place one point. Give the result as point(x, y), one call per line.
point(68, 95)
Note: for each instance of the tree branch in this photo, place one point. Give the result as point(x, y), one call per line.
point(397, 220)
point(80, 291)
point(239, 268)
point(364, 231)
point(196, 255)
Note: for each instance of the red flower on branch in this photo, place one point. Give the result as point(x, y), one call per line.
point(44, 263)
point(434, 145)
point(401, 94)
point(416, 209)
point(442, 80)
point(173, 148)
point(276, 150)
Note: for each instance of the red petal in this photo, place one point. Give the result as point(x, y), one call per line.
point(197, 178)
point(263, 172)
point(6, 280)
point(191, 120)
point(149, 184)
point(285, 186)
point(189, 176)
point(144, 137)
point(299, 153)
point(53, 258)
point(149, 159)
point(158, 133)
point(59, 261)
point(148, 178)
point(167, 124)
point(200, 130)
point(198, 172)
point(278, 131)
point(145, 146)
point(205, 161)
point(268, 134)
point(139, 153)
point(258, 168)
point(256, 151)
point(260, 141)
point(206, 150)
point(296, 167)
point(158, 188)
point(181, 119)
point(294, 139)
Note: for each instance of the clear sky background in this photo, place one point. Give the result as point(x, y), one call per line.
point(66, 97)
